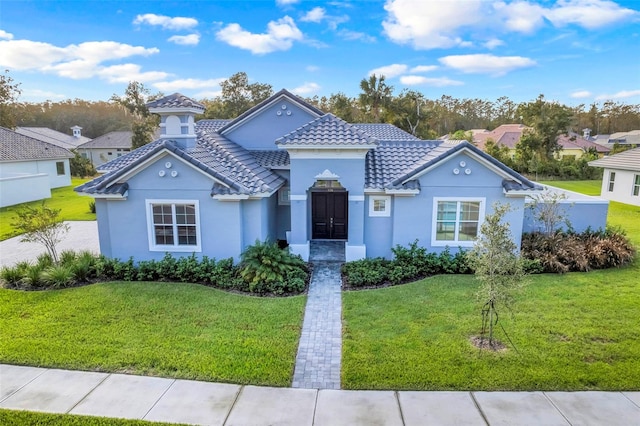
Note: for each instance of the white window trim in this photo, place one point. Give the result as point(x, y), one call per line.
point(434, 221)
point(612, 182)
point(387, 206)
point(284, 196)
point(175, 247)
point(635, 185)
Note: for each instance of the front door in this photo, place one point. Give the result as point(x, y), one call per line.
point(329, 215)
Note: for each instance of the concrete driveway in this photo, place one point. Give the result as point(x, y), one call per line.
point(81, 236)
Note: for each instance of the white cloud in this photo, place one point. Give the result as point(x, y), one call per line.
point(280, 35)
point(423, 68)
point(188, 84)
point(312, 68)
point(79, 61)
point(589, 14)
point(486, 64)
point(166, 22)
point(581, 94)
point(389, 71)
point(186, 40)
point(520, 16)
point(306, 89)
point(316, 15)
point(415, 80)
point(286, 2)
point(355, 35)
point(619, 95)
point(493, 43)
point(430, 24)
point(5, 35)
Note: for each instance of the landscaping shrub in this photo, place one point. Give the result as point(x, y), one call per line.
point(563, 252)
point(267, 268)
point(10, 276)
point(58, 276)
point(32, 276)
point(366, 272)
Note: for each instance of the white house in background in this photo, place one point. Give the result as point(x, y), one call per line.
point(29, 168)
point(621, 178)
point(55, 137)
point(106, 147)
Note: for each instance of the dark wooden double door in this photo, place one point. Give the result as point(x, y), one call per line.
point(329, 215)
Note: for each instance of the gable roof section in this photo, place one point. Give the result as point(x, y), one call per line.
point(211, 125)
point(512, 181)
point(234, 170)
point(114, 140)
point(267, 103)
point(17, 147)
point(327, 131)
point(574, 141)
point(625, 160)
point(506, 134)
point(53, 137)
point(386, 132)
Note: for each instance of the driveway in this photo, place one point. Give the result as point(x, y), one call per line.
point(81, 236)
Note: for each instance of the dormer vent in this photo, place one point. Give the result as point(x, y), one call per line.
point(177, 118)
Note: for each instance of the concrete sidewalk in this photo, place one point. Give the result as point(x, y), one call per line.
point(184, 401)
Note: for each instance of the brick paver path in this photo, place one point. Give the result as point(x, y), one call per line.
point(320, 349)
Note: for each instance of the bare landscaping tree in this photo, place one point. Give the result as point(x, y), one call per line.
point(41, 225)
point(499, 268)
point(548, 208)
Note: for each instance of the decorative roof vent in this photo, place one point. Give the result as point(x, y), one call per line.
point(177, 118)
point(77, 132)
point(586, 133)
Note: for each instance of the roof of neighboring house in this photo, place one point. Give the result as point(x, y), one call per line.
point(631, 137)
point(53, 137)
point(121, 139)
point(574, 141)
point(506, 135)
point(625, 160)
point(327, 130)
point(17, 147)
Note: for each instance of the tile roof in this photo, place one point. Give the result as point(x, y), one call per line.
point(120, 139)
point(327, 130)
point(386, 132)
point(18, 147)
point(578, 142)
point(225, 161)
point(211, 125)
point(175, 100)
point(506, 134)
point(272, 159)
point(53, 137)
point(625, 160)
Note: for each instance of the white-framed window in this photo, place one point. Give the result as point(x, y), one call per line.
point(380, 205)
point(174, 225)
point(60, 168)
point(456, 221)
point(612, 180)
point(636, 185)
point(284, 196)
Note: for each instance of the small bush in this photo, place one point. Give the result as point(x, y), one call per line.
point(59, 276)
point(32, 277)
point(92, 206)
point(366, 272)
point(10, 276)
point(44, 260)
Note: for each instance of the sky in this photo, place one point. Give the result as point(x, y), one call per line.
point(571, 51)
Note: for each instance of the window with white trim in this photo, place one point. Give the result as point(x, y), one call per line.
point(456, 221)
point(173, 225)
point(284, 196)
point(612, 180)
point(636, 185)
point(380, 205)
point(60, 168)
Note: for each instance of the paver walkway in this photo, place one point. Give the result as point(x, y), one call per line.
point(320, 349)
point(186, 401)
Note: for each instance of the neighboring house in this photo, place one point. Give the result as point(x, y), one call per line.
point(106, 147)
point(29, 168)
point(286, 170)
point(575, 146)
point(621, 178)
point(625, 138)
point(55, 137)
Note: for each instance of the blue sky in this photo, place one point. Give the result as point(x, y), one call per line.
point(572, 51)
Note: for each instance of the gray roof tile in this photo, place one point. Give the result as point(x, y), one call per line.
point(625, 160)
point(115, 140)
point(272, 159)
point(211, 125)
point(327, 130)
point(386, 132)
point(53, 137)
point(17, 147)
point(176, 100)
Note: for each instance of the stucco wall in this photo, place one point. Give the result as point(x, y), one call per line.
point(37, 167)
point(622, 189)
point(22, 188)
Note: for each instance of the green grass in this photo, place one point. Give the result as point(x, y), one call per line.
point(588, 187)
point(72, 205)
point(576, 331)
point(162, 329)
point(15, 417)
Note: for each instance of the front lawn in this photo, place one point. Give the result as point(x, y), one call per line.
point(72, 205)
point(576, 331)
point(17, 417)
point(587, 187)
point(162, 329)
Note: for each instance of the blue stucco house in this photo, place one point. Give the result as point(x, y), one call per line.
point(286, 170)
